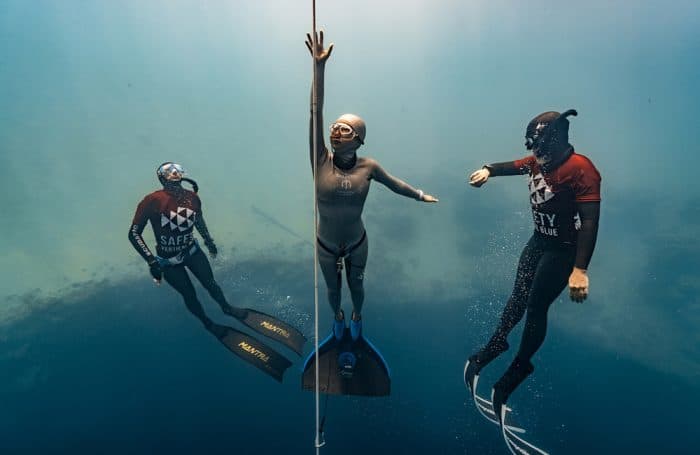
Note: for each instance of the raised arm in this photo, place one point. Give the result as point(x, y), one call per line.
point(398, 186)
point(320, 56)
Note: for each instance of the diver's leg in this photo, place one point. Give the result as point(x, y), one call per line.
point(200, 268)
point(177, 277)
point(512, 313)
point(355, 273)
point(517, 303)
point(550, 279)
point(329, 269)
point(263, 323)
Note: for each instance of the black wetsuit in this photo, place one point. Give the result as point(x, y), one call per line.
point(174, 213)
point(565, 206)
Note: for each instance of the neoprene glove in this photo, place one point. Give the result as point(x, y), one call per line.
point(156, 270)
point(209, 243)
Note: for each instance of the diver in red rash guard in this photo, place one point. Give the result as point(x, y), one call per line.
point(565, 198)
point(174, 212)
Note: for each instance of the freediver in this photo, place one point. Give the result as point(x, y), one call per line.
point(343, 179)
point(174, 212)
point(565, 199)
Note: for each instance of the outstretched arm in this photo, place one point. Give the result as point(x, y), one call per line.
point(517, 167)
point(398, 186)
point(320, 56)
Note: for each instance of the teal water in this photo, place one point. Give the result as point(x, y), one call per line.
point(95, 95)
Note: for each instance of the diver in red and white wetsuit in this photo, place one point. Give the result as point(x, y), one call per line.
point(174, 213)
point(565, 198)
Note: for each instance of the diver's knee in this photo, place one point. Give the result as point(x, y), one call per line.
point(211, 286)
point(536, 313)
point(357, 278)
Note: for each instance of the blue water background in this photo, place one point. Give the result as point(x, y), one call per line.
point(94, 358)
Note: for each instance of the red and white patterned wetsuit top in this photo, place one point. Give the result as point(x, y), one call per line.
point(553, 196)
point(173, 215)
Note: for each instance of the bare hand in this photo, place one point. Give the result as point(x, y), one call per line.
point(478, 178)
point(321, 54)
point(429, 198)
point(578, 285)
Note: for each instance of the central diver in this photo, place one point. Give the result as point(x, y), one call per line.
point(342, 183)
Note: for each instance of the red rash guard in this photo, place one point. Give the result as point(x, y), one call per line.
point(554, 196)
point(172, 215)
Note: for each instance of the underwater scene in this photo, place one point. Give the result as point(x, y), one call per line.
point(503, 258)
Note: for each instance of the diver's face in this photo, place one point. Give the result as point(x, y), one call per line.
point(542, 155)
point(174, 176)
point(343, 137)
point(535, 143)
point(172, 172)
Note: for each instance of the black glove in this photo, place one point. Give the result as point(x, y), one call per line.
point(209, 243)
point(156, 271)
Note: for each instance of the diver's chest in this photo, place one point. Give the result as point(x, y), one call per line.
point(178, 214)
point(344, 185)
point(548, 191)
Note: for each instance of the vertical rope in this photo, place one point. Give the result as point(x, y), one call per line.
point(314, 116)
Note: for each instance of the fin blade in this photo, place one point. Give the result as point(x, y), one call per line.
point(516, 444)
point(253, 351)
point(274, 329)
point(485, 408)
point(518, 441)
point(371, 375)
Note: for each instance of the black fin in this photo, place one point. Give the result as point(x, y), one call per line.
point(273, 328)
point(252, 351)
